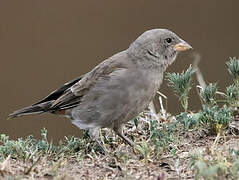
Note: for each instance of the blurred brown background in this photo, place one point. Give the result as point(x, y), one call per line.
point(46, 43)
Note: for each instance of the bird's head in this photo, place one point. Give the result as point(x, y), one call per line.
point(159, 45)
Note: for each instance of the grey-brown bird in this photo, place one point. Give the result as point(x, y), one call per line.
point(117, 89)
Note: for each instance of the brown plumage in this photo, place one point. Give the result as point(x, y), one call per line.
point(116, 90)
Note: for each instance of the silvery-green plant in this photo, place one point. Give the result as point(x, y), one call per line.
point(181, 84)
point(208, 94)
point(233, 68)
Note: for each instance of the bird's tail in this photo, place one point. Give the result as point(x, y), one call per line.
point(34, 109)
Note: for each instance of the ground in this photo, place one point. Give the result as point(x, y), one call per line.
point(188, 154)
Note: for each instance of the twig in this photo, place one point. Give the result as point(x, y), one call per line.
point(29, 169)
point(197, 58)
point(161, 103)
point(162, 108)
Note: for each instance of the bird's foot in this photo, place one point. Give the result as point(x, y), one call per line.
point(119, 132)
point(96, 136)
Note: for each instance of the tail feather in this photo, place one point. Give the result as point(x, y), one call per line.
point(34, 109)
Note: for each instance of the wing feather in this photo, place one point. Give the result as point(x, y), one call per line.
point(58, 92)
point(73, 95)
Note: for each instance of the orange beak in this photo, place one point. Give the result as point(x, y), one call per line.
point(182, 46)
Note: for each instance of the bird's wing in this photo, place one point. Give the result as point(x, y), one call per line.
point(72, 96)
point(44, 105)
point(58, 92)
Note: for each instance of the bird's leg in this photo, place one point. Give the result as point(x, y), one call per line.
point(95, 135)
point(119, 132)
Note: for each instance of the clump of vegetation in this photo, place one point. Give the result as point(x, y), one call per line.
point(216, 119)
point(31, 148)
point(232, 95)
point(217, 107)
point(208, 94)
point(181, 84)
point(233, 68)
point(216, 165)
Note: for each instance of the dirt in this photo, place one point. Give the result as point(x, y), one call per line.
point(168, 166)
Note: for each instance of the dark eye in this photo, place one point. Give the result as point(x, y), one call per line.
point(168, 40)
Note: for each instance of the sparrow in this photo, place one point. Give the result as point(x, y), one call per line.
point(117, 89)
